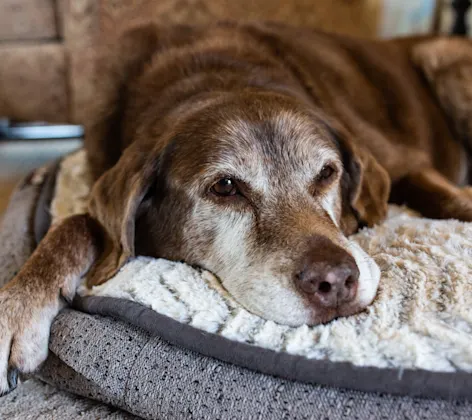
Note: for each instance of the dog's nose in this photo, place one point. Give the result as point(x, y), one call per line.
point(327, 274)
point(331, 286)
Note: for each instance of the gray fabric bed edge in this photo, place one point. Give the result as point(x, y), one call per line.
point(144, 369)
point(420, 383)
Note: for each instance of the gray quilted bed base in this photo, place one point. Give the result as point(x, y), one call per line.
point(124, 365)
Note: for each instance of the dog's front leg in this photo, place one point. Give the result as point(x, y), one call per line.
point(29, 302)
point(434, 196)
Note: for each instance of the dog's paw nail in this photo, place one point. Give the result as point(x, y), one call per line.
point(3, 393)
point(12, 378)
point(12, 381)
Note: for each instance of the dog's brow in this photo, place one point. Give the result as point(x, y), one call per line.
point(247, 168)
point(282, 147)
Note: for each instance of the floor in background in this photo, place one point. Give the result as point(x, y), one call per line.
point(18, 158)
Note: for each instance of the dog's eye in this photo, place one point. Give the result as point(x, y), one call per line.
point(326, 173)
point(225, 187)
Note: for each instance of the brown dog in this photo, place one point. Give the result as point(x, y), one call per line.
point(253, 150)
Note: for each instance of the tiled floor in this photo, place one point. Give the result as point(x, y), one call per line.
point(17, 158)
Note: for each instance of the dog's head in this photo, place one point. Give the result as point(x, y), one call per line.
point(255, 187)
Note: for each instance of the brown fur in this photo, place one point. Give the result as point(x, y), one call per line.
point(46, 282)
point(397, 113)
point(369, 92)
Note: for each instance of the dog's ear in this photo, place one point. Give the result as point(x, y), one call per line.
point(115, 201)
point(446, 64)
point(123, 179)
point(365, 187)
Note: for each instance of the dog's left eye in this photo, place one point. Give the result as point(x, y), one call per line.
point(225, 187)
point(326, 173)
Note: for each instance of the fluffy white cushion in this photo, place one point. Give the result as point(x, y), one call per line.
point(421, 317)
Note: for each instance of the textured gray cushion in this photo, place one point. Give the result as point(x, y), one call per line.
point(422, 383)
point(123, 365)
point(126, 366)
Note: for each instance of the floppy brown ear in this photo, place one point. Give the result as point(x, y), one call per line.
point(114, 201)
point(365, 188)
point(111, 126)
point(118, 193)
point(447, 65)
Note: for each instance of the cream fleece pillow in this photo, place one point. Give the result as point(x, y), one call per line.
point(421, 317)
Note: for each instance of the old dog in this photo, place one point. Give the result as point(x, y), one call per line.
point(253, 151)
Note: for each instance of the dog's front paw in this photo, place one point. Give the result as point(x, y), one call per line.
point(26, 315)
point(467, 192)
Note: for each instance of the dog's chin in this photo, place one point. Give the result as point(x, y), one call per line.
point(293, 315)
point(322, 317)
point(351, 310)
point(313, 316)
point(304, 312)
point(282, 303)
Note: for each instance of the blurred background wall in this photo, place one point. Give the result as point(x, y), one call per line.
point(47, 46)
point(47, 49)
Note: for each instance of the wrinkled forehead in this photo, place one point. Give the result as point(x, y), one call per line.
point(272, 149)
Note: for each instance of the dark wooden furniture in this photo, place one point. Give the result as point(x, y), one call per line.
point(461, 7)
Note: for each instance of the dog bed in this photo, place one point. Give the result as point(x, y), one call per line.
point(179, 349)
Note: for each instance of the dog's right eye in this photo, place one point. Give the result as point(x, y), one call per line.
point(225, 187)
